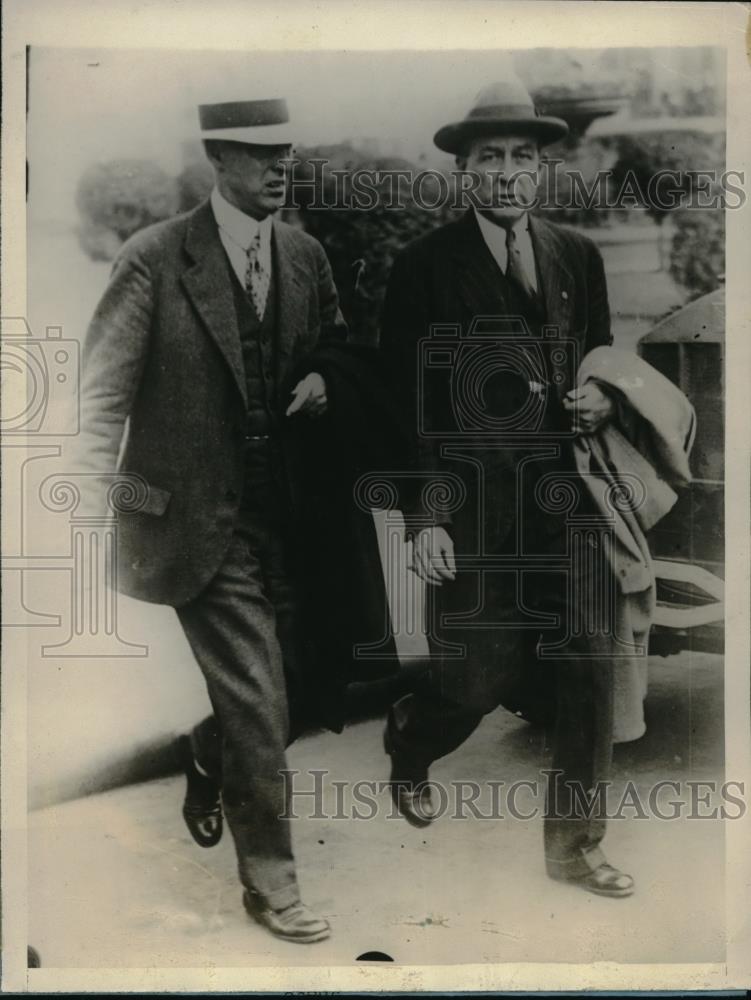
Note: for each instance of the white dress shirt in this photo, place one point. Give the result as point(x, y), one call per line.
point(237, 231)
point(495, 238)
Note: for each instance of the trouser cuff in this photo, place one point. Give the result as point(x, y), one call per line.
point(277, 899)
point(576, 865)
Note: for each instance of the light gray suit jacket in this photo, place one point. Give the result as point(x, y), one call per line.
point(163, 360)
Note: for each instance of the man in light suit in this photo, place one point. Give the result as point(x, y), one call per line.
point(193, 344)
point(493, 409)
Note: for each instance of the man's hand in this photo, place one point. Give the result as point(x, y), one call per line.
point(590, 406)
point(309, 396)
point(433, 556)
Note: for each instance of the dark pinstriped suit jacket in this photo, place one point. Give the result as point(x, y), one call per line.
point(450, 277)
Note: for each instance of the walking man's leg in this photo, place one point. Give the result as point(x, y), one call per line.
point(452, 695)
point(575, 818)
point(232, 630)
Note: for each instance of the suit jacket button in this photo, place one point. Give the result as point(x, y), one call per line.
point(564, 295)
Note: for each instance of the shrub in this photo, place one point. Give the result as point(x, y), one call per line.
point(194, 184)
point(121, 197)
point(361, 244)
point(697, 257)
point(697, 254)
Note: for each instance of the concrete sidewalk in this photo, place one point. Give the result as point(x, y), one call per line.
point(116, 881)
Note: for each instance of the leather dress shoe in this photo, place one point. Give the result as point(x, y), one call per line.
point(202, 807)
point(408, 784)
point(604, 881)
point(296, 923)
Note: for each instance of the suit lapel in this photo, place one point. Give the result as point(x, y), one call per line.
point(292, 292)
point(209, 286)
point(479, 279)
point(557, 289)
point(557, 281)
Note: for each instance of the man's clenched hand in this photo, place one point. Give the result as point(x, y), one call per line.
point(309, 396)
point(590, 407)
point(433, 556)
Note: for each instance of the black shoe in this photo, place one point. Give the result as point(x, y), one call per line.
point(202, 808)
point(603, 881)
point(408, 784)
point(296, 923)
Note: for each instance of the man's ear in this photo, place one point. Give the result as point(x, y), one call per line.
point(461, 161)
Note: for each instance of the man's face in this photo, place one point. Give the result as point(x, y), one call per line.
point(507, 170)
point(252, 178)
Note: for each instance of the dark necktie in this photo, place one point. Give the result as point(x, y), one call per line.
point(515, 268)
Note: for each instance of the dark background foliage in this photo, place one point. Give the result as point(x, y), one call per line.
point(116, 199)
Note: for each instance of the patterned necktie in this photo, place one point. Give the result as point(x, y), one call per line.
point(257, 278)
point(515, 268)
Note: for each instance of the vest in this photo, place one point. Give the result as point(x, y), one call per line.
point(513, 391)
point(263, 488)
point(258, 341)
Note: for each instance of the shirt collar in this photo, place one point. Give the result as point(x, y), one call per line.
point(496, 235)
point(240, 228)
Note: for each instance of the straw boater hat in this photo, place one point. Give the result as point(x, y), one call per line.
point(261, 123)
point(503, 107)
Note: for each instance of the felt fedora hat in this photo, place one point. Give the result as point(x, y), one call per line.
point(261, 123)
point(503, 107)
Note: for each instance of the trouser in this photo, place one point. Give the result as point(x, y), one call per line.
point(242, 630)
point(476, 666)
